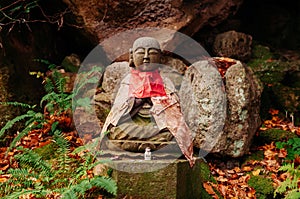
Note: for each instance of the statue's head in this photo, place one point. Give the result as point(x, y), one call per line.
point(145, 54)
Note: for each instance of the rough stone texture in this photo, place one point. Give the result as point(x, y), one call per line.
point(233, 44)
point(243, 105)
point(203, 102)
point(103, 19)
point(112, 77)
point(175, 180)
point(204, 105)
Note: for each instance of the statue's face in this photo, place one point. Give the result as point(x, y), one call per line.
point(146, 54)
point(146, 59)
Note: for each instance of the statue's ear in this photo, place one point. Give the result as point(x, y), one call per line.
point(131, 64)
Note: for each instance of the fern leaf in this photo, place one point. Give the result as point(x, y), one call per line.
point(50, 97)
point(69, 194)
point(82, 187)
point(18, 104)
point(286, 167)
point(106, 183)
point(294, 194)
point(60, 81)
point(10, 123)
point(79, 149)
point(18, 194)
point(33, 160)
point(49, 85)
point(61, 141)
point(24, 132)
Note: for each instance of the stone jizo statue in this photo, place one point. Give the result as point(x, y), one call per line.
point(146, 111)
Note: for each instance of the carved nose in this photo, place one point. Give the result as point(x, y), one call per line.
point(146, 58)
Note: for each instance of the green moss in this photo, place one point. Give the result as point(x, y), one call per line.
point(266, 67)
point(269, 71)
point(207, 177)
point(273, 135)
point(205, 173)
point(47, 151)
point(263, 186)
point(261, 52)
point(256, 155)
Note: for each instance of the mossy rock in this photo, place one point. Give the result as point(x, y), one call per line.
point(269, 72)
point(263, 186)
point(273, 135)
point(266, 66)
point(288, 97)
point(261, 52)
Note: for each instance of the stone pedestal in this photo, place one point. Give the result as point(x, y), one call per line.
point(174, 179)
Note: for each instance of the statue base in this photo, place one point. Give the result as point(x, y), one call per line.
point(167, 179)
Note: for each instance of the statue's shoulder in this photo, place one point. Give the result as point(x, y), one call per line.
point(126, 79)
point(169, 86)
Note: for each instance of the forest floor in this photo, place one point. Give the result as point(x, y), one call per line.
point(256, 175)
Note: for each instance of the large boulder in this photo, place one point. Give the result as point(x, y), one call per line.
point(243, 92)
point(102, 19)
point(204, 104)
point(233, 44)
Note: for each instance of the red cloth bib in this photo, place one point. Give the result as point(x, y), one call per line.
point(146, 84)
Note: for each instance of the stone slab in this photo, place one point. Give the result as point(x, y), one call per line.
point(174, 179)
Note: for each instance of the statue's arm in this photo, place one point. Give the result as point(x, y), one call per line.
point(120, 105)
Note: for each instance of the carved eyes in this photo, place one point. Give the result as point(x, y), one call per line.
point(151, 51)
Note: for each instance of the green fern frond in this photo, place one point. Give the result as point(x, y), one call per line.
point(286, 167)
point(82, 187)
point(69, 194)
point(290, 185)
point(10, 123)
point(49, 85)
point(18, 194)
point(79, 149)
point(17, 104)
point(294, 194)
point(19, 173)
point(30, 159)
point(61, 141)
point(59, 80)
point(106, 183)
point(23, 133)
point(50, 97)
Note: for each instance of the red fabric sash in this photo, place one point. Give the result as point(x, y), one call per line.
point(146, 84)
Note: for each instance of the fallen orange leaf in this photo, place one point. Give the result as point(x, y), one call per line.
point(256, 172)
point(247, 168)
point(209, 189)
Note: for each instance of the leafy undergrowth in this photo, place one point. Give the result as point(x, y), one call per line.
point(47, 159)
point(48, 163)
point(270, 171)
